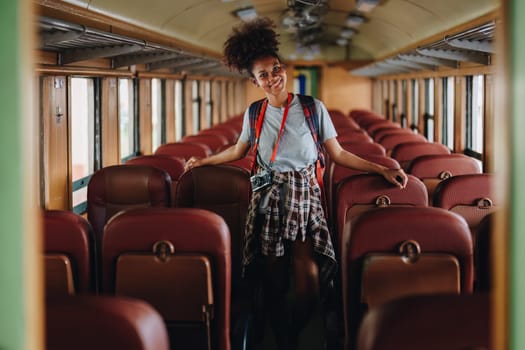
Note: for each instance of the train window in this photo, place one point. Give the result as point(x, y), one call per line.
point(448, 112)
point(429, 109)
point(208, 103)
point(415, 104)
point(403, 101)
point(83, 139)
point(126, 118)
point(179, 104)
point(474, 115)
point(196, 106)
point(157, 114)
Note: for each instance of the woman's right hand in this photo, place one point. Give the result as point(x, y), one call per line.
point(192, 163)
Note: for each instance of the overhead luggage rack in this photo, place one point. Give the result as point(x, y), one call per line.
point(75, 43)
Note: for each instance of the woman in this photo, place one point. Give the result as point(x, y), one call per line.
point(286, 230)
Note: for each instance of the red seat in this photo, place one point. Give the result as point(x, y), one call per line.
point(214, 141)
point(404, 153)
point(360, 193)
point(338, 173)
point(352, 136)
point(434, 322)
point(103, 323)
point(172, 165)
point(372, 129)
point(470, 196)
point(379, 134)
point(122, 187)
point(364, 148)
point(177, 259)
point(69, 247)
point(483, 254)
point(184, 150)
point(391, 141)
point(432, 169)
point(224, 190)
point(228, 132)
point(396, 252)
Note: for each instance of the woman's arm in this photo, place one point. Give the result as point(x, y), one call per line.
point(230, 154)
point(350, 160)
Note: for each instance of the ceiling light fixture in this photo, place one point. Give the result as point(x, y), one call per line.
point(366, 5)
point(347, 33)
point(246, 14)
point(354, 20)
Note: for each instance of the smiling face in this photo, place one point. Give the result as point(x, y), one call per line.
point(270, 74)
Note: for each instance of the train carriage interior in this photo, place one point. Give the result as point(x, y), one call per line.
point(107, 100)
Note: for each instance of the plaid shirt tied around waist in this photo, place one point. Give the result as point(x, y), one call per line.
point(294, 209)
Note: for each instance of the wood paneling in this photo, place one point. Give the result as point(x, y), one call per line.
point(188, 116)
point(489, 124)
point(110, 122)
point(170, 110)
point(345, 92)
point(421, 106)
point(438, 110)
point(55, 164)
point(460, 92)
point(145, 116)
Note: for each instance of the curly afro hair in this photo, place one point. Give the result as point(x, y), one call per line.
point(250, 41)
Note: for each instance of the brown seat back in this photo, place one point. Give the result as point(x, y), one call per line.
point(184, 150)
point(69, 249)
point(177, 259)
point(103, 323)
point(410, 260)
point(122, 187)
point(434, 322)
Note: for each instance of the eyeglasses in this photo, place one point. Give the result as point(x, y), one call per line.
point(276, 70)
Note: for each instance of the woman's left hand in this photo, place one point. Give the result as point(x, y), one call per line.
point(396, 176)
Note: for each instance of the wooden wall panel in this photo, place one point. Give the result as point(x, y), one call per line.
point(421, 106)
point(409, 99)
point(55, 164)
point(345, 92)
point(145, 116)
point(216, 103)
point(438, 110)
point(460, 92)
point(110, 122)
point(188, 117)
point(489, 125)
point(170, 110)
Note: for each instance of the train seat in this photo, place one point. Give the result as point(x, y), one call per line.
point(103, 323)
point(178, 260)
point(214, 140)
point(404, 153)
point(224, 190)
point(376, 127)
point(228, 132)
point(382, 133)
point(364, 148)
point(432, 169)
point(483, 253)
point(122, 187)
point(337, 173)
point(430, 322)
point(172, 165)
point(345, 135)
point(470, 196)
point(69, 246)
point(389, 142)
point(362, 115)
point(184, 150)
point(395, 252)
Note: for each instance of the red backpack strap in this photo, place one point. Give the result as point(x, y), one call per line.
point(254, 111)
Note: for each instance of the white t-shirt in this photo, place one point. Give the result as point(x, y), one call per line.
point(297, 148)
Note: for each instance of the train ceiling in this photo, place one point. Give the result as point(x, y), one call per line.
point(329, 30)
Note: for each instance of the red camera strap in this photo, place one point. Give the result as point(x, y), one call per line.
point(259, 124)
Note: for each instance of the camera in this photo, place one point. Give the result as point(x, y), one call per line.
point(261, 180)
